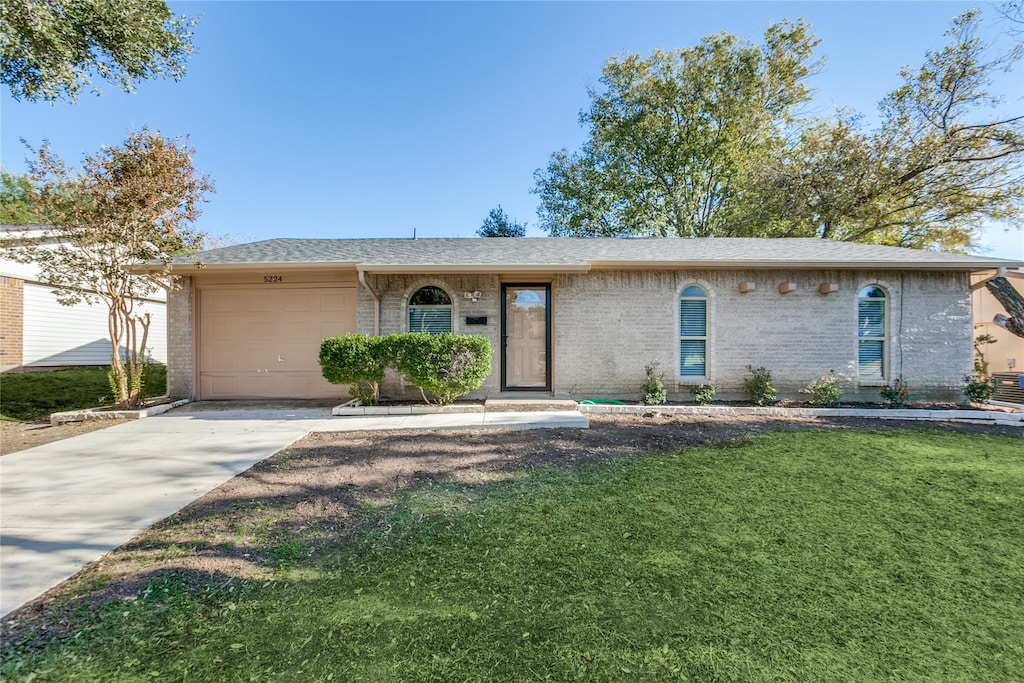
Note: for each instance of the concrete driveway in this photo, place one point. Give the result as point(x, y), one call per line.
point(67, 503)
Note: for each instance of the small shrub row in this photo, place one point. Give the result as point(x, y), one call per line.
point(445, 366)
point(825, 391)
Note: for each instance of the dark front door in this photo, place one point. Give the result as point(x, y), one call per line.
point(526, 337)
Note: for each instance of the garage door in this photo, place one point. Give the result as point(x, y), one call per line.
point(264, 343)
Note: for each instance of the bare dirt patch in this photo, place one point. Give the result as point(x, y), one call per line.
point(309, 499)
point(17, 436)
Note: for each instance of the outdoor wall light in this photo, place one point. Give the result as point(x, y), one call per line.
point(472, 295)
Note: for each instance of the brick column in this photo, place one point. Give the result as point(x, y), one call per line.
point(12, 323)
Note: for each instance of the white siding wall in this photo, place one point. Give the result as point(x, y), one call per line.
point(57, 335)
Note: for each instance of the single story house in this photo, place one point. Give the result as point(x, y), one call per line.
point(580, 318)
point(38, 333)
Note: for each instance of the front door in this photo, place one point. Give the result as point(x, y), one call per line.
point(526, 337)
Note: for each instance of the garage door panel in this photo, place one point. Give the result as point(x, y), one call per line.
point(301, 302)
point(260, 343)
point(222, 301)
point(338, 301)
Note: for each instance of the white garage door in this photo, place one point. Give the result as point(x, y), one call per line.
point(264, 343)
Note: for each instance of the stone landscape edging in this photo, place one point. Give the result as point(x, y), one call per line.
point(348, 410)
point(981, 416)
point(109, 414)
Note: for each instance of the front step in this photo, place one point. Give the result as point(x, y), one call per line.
point(516, 405)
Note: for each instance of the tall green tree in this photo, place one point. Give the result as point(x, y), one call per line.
point(114, 226)
point(51, 49)
point(16, 206)
point(497, 224)
point(670, 135)
point(946, 159)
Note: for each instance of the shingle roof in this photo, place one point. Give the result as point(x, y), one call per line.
point(568, 254)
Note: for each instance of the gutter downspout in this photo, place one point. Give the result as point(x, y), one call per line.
point(376, 301)
point(1000, 272)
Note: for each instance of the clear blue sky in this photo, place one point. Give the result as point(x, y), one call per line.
point(336, 119)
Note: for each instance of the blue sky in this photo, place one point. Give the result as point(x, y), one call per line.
point(337, 119)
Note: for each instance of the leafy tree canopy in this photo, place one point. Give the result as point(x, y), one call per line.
point(945, 160)
point(704, 142)
point(51, 49)
point(16, 206)
point(670, 134)
point(497, 224)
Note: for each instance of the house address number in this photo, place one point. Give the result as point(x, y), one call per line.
point(272, 279)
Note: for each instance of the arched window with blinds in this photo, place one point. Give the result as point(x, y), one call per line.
point(871, 333)
point(693, 332)
point(430, 310)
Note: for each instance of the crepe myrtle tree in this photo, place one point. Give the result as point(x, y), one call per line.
point(113, 227)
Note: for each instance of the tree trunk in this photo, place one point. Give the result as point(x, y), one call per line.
point(1012, 301)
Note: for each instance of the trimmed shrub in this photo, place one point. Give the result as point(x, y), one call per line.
point(444, 365)
point(759, 386)
point(654, 393)
point(356, 360)
point(703, 393)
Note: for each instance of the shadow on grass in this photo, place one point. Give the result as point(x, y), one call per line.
point(322, 496)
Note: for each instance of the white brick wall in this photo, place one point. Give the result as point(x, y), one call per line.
point(608, 325)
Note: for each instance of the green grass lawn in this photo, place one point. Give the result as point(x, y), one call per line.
point(29, 396)
point(802, 556)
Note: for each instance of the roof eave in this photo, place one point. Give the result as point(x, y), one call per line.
point(971, 266)
point(400, 268)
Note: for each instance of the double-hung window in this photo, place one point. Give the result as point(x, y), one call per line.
point(693, 332)
point(430, 310)
point(871, 333)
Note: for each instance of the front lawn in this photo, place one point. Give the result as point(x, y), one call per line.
point(833, 555)
point(29, 396)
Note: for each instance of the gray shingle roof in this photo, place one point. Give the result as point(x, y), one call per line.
point(566, 253)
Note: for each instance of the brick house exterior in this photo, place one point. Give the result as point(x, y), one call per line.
point(797, 307)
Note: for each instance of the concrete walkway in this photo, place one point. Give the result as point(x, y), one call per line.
point(67, 503)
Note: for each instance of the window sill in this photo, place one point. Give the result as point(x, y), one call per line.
point(872, 382)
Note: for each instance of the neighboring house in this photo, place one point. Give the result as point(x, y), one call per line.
point(580, 318)
point(37, 333)
point(1007, 354)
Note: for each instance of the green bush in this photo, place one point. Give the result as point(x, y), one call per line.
point(445, 366)
point(703, 393)
point(356, 360)
point(895, 394)
point(654, 393)
point(759, 386)
point(979, 388)
point(825, 391)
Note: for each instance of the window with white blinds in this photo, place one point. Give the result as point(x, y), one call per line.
point(430, 310)
point(693, 332)
point(871, 333)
